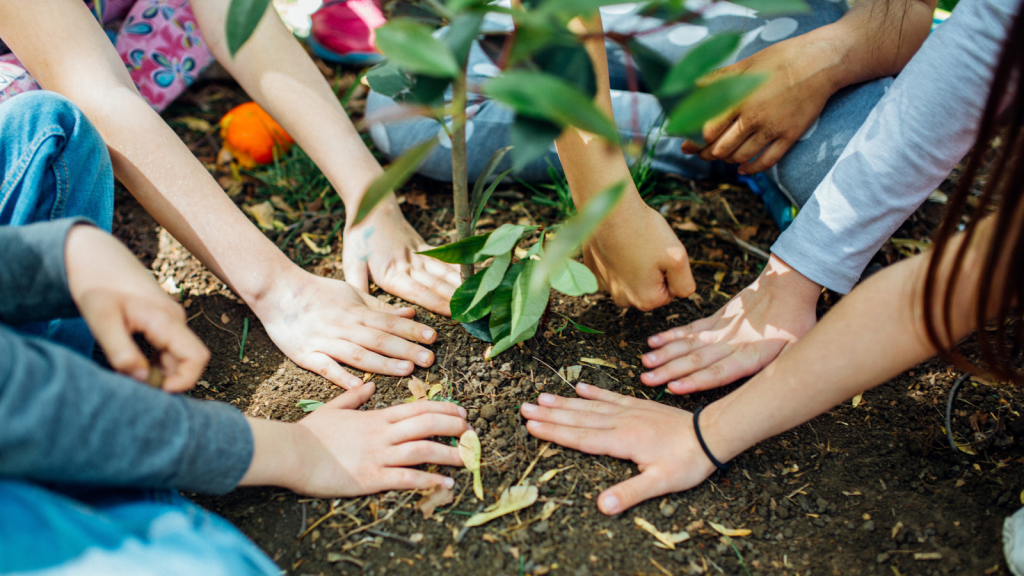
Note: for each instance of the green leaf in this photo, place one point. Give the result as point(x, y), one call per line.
point(548, 97)
point(309, 405)
point(501, 304)
point(394, 177)
point(531, 139)
point(574, 233)
point(410, 45)
point(704, 58)
point(528, 303)
point(766, 8)
point(574, 279)
point(387, 78)
point(462, 252)
point(460, 5)
point(492, 277)
point(580, 327)
point(243, 17)
point(426, 90)
point(461, 33)
point(708, 102)
point(504, 239)
point(571, 63)
point(481, 180)
point(482, 201)
point(462, 308)
point(653, 66)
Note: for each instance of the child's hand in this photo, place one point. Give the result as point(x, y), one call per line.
point(341, 451)
point(118, 298)
point(658, 438)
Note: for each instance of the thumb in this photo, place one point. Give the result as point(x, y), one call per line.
point(378, 305)
point(357, 273)
point(353, 398)
point(678, 274)
point(625, 495)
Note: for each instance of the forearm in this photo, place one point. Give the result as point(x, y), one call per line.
point(278, 74)
point(874, 39)
point(590, 163)
point(276, 458)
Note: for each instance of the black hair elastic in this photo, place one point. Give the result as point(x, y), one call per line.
point(696, 428)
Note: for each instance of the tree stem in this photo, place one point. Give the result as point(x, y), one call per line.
point(460, 186)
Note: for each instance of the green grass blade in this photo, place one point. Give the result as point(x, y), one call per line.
point(396, 174)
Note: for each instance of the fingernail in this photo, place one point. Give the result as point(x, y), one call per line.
point(424, 358)
point(583, 386)
point(741, 172)
point(428, 334)
point(462, 411)
point(140, 374)
point(530, 408)
point(649, 358)
point(545, 398)
point(610, 504)
point(449, 482)
point(655, 340)
point(403, 366)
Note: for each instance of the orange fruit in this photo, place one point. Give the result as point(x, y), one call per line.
point(252, 136)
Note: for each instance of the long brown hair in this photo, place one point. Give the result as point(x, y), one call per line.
point(1003, 198)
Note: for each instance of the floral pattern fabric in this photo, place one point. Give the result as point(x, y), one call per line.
point(158, 41)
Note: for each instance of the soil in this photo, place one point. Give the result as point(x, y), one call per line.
point(863, 489)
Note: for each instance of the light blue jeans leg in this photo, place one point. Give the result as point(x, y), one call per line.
point(638, 114)
point(114, 532)
point(54, 165)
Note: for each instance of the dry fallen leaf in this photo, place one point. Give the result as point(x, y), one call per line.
point(439, 496)
point(418, 388)
point(548, 509)
point(224, 319)
point(308, 239)
point(194, 124)
point(686, 226)
point(547, 476)
point(263, 213)
point(599, 362)
point(667, 540)
point(449, 552)
point(896, 529)
point(856, 399)
point(734, 533)
point(469, 451)
point(416, 538)
point(434, 391)
point(511, 500)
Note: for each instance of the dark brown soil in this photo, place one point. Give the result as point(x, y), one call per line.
point(859, 490)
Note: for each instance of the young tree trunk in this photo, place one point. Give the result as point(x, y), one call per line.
point(459, 185)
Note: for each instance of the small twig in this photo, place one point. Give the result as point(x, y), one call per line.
point(401, 539)
point(543, 449)
point(797, 491)
point(203, 312)
point(465, 529)
point(384, 519)
point(949, 410)
point(567, 383)
point(330, 513)
point(730, 237)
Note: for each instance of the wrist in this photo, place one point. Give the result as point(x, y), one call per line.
point(277, 456)
point(386, 208)
point(781, 278)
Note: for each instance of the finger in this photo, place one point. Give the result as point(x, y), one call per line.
point(573, 418)
point(448, 273)
point(582, 405)
point(677, 348)
point(426, 425)
point(110, 329)
point(687, 364)
point(662, 338)
point(725, 371)
point(713, 130)
point(728, 142)
point(401, 327)
point(359, 357)
point(625, 495)
point(392, 346)
point(587, 440)
point(423, 452)
point(591, 392)
point(409, 479)
point(771, 156)
point(436, 285)
point(183, 355)
point(327, 367)
point(412, 409)
point(404, 286)
point(750, 147)
point(679, 275)
point(691, 147)
point(378, 305)
point(357, 273)
point(352, 399)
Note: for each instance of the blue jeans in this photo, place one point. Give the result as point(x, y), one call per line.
point(639, 114)
point(55, 165)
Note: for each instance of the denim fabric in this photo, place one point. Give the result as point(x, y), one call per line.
point(638, 114)
point(105, 532)
point(54, 165)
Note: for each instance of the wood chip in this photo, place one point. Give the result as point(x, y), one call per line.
point(449, 552)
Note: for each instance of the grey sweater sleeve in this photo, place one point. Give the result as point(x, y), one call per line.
point(912, 140)
point(33, 281)
point(65, 419)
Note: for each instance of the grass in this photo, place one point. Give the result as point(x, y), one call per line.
point(296, 179)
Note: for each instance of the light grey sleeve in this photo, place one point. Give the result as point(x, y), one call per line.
point(918, 132)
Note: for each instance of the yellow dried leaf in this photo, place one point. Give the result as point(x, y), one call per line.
point(418, 388)
point(263, 213)
point(667, 540)
point(733, 533)
point(512, 499)
point(856, 399)
point(547, 476)
point(449, 552)
point(312, 245)
point(439, 496)
point(469, 451)
point(434, 390)
point(598, 362)
point(194, 124)
point(966, 449)
point(896, 529)
point(548, 509)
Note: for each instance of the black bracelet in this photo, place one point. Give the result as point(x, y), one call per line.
point(696, 428)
